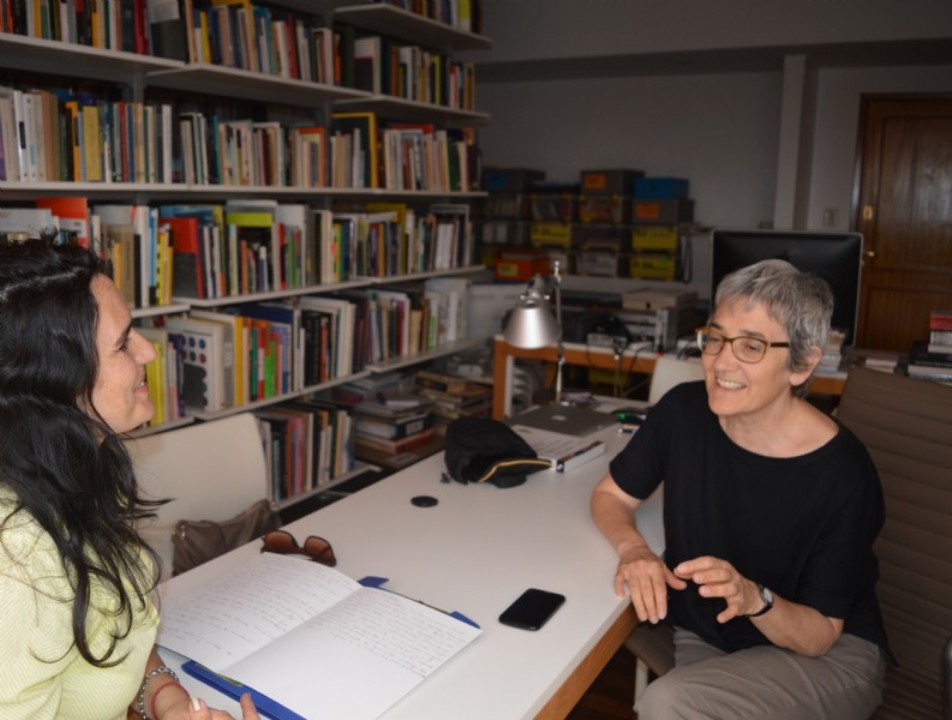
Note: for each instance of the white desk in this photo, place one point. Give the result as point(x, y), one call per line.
point(475, 552)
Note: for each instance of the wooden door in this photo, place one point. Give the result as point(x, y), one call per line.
point(904, 210)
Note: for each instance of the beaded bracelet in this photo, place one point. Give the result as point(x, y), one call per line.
point(161, 670)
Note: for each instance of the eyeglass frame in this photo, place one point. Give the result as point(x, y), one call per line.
point(301, 549)
point(708, 330)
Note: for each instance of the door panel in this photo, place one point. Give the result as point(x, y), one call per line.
point(905, 215)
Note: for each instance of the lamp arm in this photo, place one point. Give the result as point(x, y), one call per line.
point(560, 351)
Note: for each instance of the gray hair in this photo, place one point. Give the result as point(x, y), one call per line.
point(800, 301)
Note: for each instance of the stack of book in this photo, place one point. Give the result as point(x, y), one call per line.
point(453, 396)
point(394, 427)
point(933, 360)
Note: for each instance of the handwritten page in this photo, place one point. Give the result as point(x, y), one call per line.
point(220, 624)
point(311, 638)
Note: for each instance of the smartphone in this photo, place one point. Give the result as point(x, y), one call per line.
point(532, 609)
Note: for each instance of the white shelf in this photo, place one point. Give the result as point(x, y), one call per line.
point(257, 404)
point(274, 294)
point(59, 58)
point(154, 310)
point(359, 469)
point(394, 108)
point(247, 85)
point(408, 360)
point(412, 27)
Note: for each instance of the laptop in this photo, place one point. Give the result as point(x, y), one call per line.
point(565, 419)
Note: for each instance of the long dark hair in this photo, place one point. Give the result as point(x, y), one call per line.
point(68, 469)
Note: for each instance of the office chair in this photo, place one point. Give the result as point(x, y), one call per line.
point(670, 371)
point(211, 471)
point(906, 425)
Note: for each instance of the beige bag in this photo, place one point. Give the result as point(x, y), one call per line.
point(198, 541)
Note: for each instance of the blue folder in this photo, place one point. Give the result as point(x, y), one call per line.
point(234, 689)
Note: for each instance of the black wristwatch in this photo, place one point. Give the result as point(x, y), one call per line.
point(767, 597)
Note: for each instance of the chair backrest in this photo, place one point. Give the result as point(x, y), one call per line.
point(211, 471)
point(906, 425)
point(670, 371)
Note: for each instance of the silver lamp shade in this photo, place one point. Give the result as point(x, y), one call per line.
point(531, 325)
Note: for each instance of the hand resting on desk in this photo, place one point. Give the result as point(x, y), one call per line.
point(203, 712)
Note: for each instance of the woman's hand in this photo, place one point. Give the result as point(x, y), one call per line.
point(718, 578)
point(198, 710)
point(648, 579)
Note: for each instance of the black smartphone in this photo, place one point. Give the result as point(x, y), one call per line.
point(532, 609)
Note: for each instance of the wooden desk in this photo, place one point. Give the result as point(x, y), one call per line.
point(637, 360)
point(476, 551)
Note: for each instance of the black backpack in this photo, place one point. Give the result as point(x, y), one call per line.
point(480, 449)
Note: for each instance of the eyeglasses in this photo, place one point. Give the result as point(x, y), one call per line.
point(748, 350)
point(284, 543)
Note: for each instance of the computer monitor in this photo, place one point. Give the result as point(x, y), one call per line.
point(835, 256)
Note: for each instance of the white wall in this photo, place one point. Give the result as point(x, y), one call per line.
point(538, 29)
point(719, 131)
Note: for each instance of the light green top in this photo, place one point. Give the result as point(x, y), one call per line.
point(43, 675)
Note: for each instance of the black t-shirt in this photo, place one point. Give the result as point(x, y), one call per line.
point(802, 526)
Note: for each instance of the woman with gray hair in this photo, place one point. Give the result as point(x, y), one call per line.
point(771, 508)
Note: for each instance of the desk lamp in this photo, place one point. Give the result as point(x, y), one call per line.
point(530, 327)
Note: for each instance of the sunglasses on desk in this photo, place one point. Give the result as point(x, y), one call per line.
point(282, 542)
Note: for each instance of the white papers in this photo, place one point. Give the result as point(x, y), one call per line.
point(308, 636)
point(565, 452)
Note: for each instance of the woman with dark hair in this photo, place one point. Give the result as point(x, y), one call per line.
point(77, 612)
point(771, 508)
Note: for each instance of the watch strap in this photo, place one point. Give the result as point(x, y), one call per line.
point(767, 597)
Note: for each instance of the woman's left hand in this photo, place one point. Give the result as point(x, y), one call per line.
point(718, 578)
point(203, 712)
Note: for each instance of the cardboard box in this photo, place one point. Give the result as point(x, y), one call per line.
point(660, 188)
point(649, 266)
point(609, 182)
point(613, 209)
point(656, 238)
point(662, 212)
point(551, 235)
point(658, 299)
point(499, 179)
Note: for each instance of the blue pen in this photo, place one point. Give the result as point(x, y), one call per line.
point(235, 689)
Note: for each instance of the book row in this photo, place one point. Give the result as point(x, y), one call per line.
point(59, 135)
point(212, 360)
point(213, 251)
point(385, 67)
point(307, 443)
point(466, 15)
point(185, 30)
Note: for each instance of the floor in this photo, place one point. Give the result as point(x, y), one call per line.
point(610, 697)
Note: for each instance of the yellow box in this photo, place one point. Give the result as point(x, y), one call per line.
point(656, 238)
point(654, 267)
point(551, 235)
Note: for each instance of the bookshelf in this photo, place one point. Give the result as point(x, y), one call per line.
point(29, 63)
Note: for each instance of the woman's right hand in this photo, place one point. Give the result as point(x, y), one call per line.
point(648, 580)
